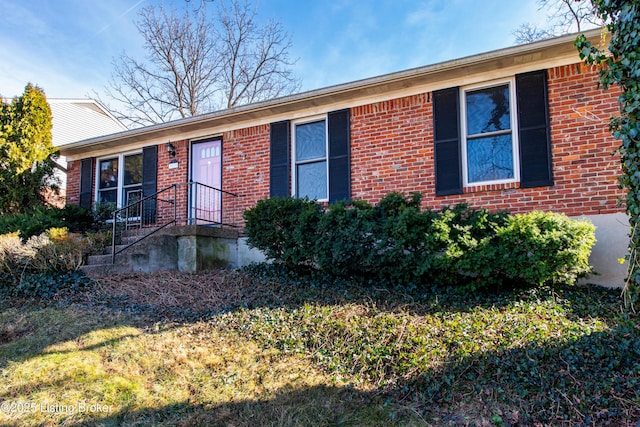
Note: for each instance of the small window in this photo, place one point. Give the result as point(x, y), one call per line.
point(132, 181)
point(311, 160)
point(120, 179)
point(490, 146)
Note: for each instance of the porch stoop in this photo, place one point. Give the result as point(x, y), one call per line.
point(180, 248)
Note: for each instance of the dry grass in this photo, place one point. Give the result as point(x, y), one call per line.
point(148, 366)
point(198, 292)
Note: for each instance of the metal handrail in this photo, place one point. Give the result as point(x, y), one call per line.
point(210, 187)
point(193, 205)
point(140, 205)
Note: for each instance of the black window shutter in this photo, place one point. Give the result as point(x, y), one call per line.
point(279, 159)
point(149, 181)
point(533, 130)
point(446, 119)
point(339, 153)
point(86, 182)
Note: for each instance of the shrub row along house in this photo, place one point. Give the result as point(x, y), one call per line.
point(519, 129)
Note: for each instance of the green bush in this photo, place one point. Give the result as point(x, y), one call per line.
point(285, 230)
point(103, 212)
point(99, 240)
point(345, 243)
point(39, 220)
point(541, 247)
point(397, 241)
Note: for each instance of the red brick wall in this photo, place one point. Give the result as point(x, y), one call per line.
point(392, 150)
point(245, 170)
point(167, 177)
point(73, 182)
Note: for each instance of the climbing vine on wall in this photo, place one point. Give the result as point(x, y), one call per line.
point(621, 65)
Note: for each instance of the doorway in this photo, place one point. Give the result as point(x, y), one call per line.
point(206, 176)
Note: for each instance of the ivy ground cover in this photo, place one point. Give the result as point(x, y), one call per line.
point(261, 348)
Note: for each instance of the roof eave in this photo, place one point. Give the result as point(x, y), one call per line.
point(389, 82)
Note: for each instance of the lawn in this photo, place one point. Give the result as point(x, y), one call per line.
point(241, 349)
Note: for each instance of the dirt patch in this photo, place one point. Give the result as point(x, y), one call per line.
point(14, 331)
point(189, 293)
point(7, 335)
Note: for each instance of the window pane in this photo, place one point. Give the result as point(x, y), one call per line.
point(490, 159)
point(312, 180)
point(108, 173)
point(133, 169)
point(131, 194)
point(488, 110)
point(108, 196)
point(311, 141)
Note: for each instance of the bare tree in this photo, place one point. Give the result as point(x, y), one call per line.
point(200, 61)
point(254, 58)
point(564, 16)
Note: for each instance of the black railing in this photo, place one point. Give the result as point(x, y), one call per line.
point(152, 213)
point(205, 204)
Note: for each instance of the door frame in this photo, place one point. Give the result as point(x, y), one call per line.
point(191, 201)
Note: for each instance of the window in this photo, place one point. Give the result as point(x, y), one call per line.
point(311, 158)
point(108, 184)
point(477, 138)
point(132, 181)
point(489, 143)
point(120, 186)
point(310, 154)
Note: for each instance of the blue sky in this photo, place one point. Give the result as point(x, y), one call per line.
point(67, 46)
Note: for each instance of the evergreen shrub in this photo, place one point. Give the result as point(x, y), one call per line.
point(396, 241)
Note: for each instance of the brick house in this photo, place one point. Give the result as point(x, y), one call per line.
point(523, 128)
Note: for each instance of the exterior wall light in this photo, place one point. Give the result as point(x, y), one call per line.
point(171, 149)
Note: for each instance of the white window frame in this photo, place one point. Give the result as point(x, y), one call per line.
point(514, 130)
point(120, 187)
point(294, 163)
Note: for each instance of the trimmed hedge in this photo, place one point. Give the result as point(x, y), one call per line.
point(397, 241)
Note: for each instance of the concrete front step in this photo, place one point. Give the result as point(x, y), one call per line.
point(100, 264)
point(136, 232)
point(180, 248)
point(99, 259)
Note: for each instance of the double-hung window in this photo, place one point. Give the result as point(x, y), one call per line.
point(311, 157)
point(310, 154)
point(108, 181)
point(489, 148)
point(120, 186)
point(493, 133)
point(132, 179)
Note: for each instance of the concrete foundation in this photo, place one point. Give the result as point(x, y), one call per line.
point(205, 252)
point(612, 244)
point(156, 253)
point(188, 248)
